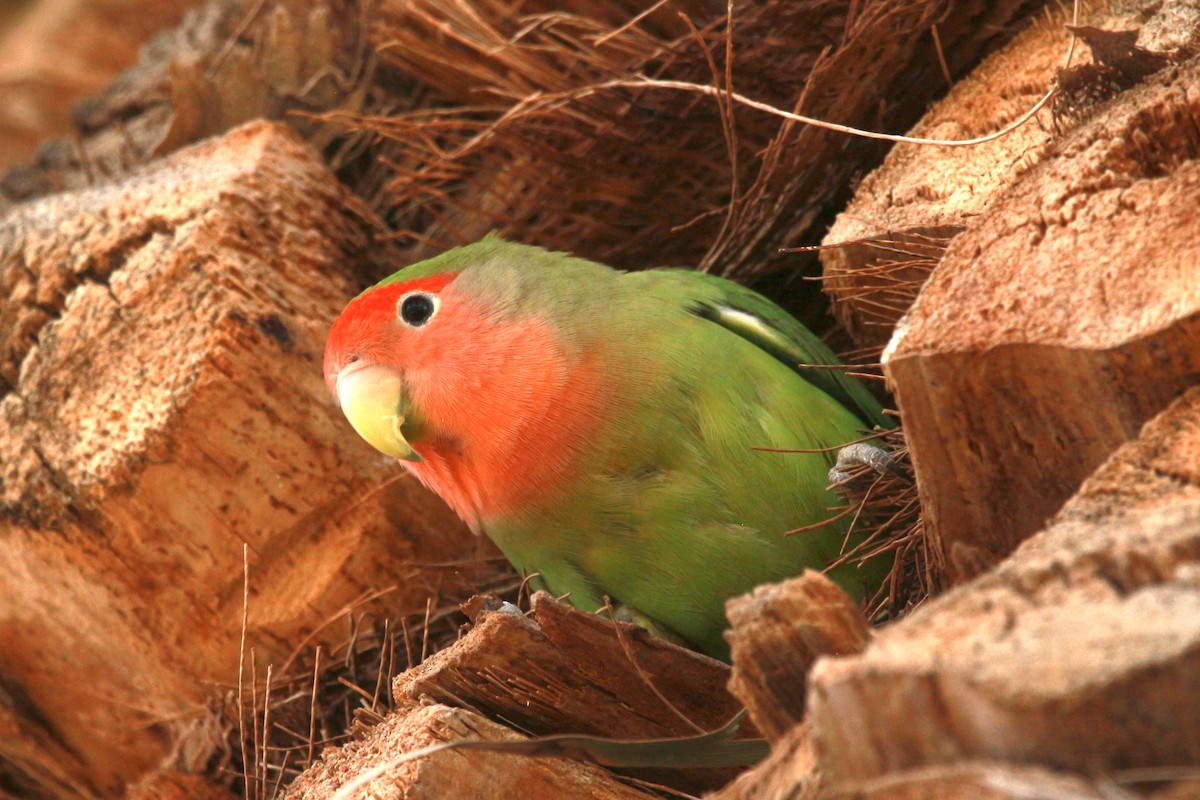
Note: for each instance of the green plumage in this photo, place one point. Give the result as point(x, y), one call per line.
point(673, 510)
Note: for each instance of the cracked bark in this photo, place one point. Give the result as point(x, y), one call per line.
point(164, 342)
point(1080, 652)
point(1073, 342)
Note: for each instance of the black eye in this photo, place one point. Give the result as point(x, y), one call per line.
point(417, 308)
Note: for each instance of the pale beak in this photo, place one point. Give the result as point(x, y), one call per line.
point(374, 400)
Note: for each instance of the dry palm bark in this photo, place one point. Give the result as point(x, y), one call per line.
point(48, 66)
point(889, 238)
point(162, 405)
point(1057, 299)
point(560, 671)
point(462, 774)
point(776, 634)
point(541, 139)
point(555, 670)
point(1080, 652)
point(1052, 287)
point(226, 63)
point(903, 216)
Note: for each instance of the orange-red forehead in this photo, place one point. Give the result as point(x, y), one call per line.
point(383, 299)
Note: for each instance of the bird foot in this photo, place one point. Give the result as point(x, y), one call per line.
point(860, 454)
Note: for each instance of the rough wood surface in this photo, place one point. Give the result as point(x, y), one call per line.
point(462, 775)
point(1161, 466)
point(977, 781)
point(1080, 652)
point(163, 404)
point(889, 238)
point(227, 63)
point(60, 51)
point(1054, 288)
point(776, 633)
point(884, 245)
point(559, 670)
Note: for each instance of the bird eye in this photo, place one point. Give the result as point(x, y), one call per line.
point(417, 308)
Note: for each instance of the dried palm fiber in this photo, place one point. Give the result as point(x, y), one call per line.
point(531, 135)
point(337, 684)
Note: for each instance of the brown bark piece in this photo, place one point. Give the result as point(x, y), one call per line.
point(226, 63)
point(1083, 653)
point(560, 670)
point(163, 404)
point(1161, 466)
point(777, 632)
point(1080, 652)
point(882, 248)
point(462, 775)
point(1057, 324)
point(975, 781)
point(904, 214)
point(60, 51)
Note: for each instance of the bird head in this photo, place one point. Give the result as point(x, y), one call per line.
point(385, 334)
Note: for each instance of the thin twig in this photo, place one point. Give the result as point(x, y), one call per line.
point(242, 660)
point(425, 632)
point(937, 45)
point(252, 767)
point(618, 31)
point(312, 708)
point(266, 748)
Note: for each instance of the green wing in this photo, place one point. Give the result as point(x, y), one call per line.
point(770, 328)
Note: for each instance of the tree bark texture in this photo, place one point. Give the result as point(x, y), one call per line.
point(170, 269)
point(1080, 652)
point(163, 407)
point(996, 318)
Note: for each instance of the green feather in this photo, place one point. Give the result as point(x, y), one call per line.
point(754, 317)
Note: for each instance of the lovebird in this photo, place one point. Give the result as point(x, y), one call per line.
point(606, 429)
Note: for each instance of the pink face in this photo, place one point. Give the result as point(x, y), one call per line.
point(382, 340)
point(373, 329)
point(487, 411)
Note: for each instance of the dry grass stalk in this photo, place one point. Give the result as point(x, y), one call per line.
point(886, 514)
point(887, 275)
point(327, 694)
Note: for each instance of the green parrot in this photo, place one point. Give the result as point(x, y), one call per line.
point(605, 428)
